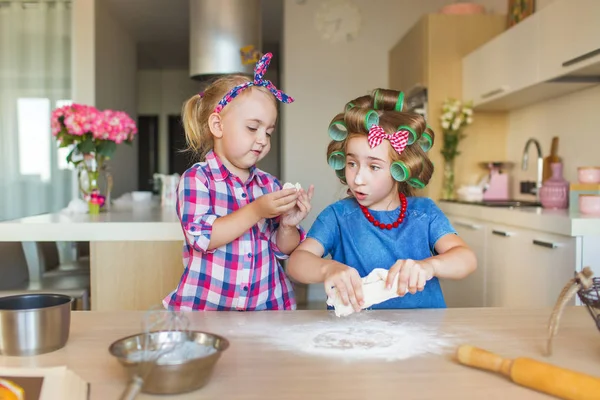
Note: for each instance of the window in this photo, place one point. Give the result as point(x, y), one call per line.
point(33, 122)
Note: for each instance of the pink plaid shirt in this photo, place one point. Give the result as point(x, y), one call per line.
point(244, 274)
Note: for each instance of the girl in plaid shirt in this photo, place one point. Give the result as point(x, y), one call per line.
point(237, 220)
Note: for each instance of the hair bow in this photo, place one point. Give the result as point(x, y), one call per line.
point(398, 140)
point(259, 72)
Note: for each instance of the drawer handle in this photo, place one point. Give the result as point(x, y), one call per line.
point(467, 225)
point(542, 243)
point(581, 58)
point(501, 233)
point(493, 92)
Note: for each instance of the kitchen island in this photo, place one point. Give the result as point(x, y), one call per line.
point(135, 254)
point(263, 362)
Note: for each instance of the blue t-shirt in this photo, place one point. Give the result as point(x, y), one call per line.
point(351, 239)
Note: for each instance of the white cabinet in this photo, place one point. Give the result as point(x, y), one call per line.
point(527, 268)
point(517, 267)
point(551, 53)
point(570, 32)
point(555, 264)
point(468, 292)
point(503, 65)
point(502, 257)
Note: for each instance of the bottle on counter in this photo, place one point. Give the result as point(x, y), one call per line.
point(554, 192)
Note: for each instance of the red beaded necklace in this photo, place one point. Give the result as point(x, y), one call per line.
point(387, 226)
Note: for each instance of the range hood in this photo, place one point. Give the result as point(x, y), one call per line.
point(219, 29)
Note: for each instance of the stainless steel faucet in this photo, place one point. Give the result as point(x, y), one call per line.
point(540, 164)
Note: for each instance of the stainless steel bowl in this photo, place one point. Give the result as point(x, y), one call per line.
point(32, 324)
point(172, 377)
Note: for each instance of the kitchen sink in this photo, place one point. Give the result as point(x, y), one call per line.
point(500, 203)
point(510, 203)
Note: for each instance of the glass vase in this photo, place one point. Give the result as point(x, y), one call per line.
point(554, 193)
point(95, 184)
point(448, 181)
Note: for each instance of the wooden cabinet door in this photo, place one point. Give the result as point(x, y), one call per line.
point(407, 72)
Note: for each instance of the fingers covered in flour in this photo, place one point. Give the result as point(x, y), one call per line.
point(410, 274)
point(346, 281)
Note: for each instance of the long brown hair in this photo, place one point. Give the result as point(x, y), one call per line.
point(384, 102)
point(198, 108)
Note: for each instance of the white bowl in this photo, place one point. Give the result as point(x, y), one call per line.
point(141, 197)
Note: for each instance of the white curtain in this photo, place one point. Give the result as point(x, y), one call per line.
point(35, 78)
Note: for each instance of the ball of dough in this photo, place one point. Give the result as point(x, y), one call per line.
point(289, 185)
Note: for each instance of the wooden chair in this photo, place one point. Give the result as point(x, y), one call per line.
point(50, 265)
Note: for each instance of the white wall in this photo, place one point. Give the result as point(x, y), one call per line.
point(83, 49)
point(162, 93)
point(573, 118)
point(115, 86)
point(323, 77)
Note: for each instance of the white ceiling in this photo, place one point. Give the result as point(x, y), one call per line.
point(161, 28)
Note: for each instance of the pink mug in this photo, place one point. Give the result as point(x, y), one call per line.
point(589, 204)
point(588, 174)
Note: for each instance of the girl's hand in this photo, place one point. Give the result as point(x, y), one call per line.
point(294, 216)
point(346, 281)
point(274, 204)
point(411, 275)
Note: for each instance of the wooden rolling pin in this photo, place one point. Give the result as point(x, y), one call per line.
point(537, 375)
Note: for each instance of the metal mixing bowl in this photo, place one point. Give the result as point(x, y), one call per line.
point(33, 324)
point(172, 377)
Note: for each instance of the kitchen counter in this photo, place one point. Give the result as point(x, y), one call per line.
point(537, 218)
point(266, 368)
point(135, 254)
point(140, 224)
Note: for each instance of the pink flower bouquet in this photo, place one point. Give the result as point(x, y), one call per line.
point(90, 131)
point(93, 136)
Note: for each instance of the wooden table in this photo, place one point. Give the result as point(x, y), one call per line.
point(250, 369)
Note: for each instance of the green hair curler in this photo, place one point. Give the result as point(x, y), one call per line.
point(372, 118)
point(425, 142)
point(400, 102)
point(337, 160)
point(349, 106)
point(341, 174)
point(413, 135)
point(338, 131)
point(416, 183)
point(375, 99)
point(399, 171)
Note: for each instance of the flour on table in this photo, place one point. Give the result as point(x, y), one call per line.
point(374, 292)
point(361, 338)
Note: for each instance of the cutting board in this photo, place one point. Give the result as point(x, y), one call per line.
point(552, 158)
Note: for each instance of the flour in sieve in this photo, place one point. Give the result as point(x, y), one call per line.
point(355, 339)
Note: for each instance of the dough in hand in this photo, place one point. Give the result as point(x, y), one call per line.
point(289, 185)
point(374, 292)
